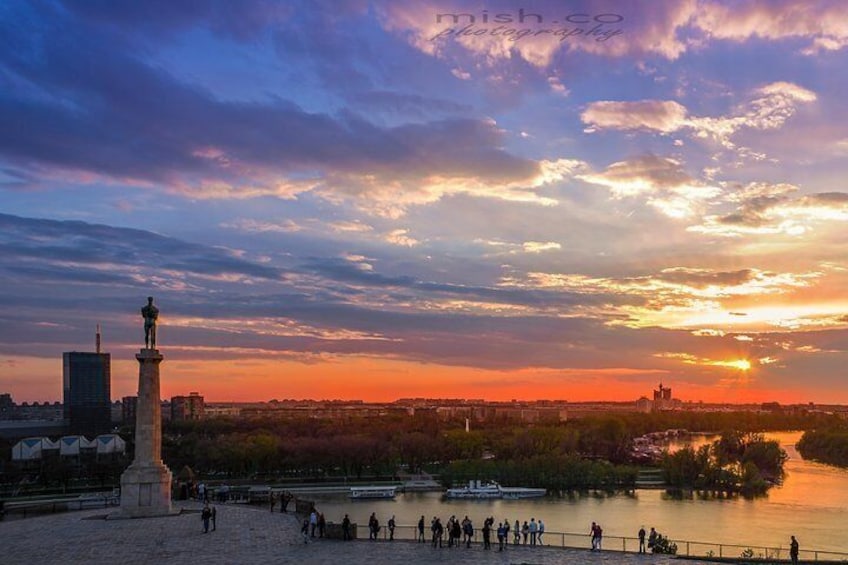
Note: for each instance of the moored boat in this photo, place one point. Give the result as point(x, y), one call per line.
point(480, 490)
point(522, 492)
point(372, 492)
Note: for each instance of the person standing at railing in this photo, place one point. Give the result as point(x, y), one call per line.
point(652, 539)
point(438, 532)
point(468, 531)
point(456, 531)
point(597, 536)
point(793, 550)
point(541, 531)
point(346, 528)
point(642, 539)
point(421, 529)
point(373, 527)
point(501, 535)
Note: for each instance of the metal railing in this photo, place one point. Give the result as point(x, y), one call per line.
point(28, 508)
point(623, 544)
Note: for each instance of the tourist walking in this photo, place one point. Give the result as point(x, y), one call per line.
point(506, 533)
point(313, 522)
point(516, 534)
point(541, 531)
point(285, 498)
point(421, 529)
point(793, 550)
point(391, 524)
point(273, 501)
point(214, 516)
point(206, 515)
point(322, 524)
point(304, 530)
point(642, 539)
point(525, 531)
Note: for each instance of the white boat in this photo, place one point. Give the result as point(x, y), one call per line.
point(513, 493)
point(479, 490)
point(371, 492)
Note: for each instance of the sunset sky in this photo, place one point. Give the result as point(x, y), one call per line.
point(377, 199)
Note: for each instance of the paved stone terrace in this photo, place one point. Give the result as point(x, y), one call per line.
point(244, 535)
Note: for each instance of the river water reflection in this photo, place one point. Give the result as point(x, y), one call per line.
point(812, 504)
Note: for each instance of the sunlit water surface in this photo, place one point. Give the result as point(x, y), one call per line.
point(812, 504)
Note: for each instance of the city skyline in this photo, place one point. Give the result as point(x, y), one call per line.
point(377, 200)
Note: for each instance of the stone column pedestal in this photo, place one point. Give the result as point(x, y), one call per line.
point(146, 484)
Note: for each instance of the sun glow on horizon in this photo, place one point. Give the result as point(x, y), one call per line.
point(741, 364)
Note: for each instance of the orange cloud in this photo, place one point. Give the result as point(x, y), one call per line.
point(825, 24)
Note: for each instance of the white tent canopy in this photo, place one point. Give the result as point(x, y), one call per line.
point(72, 445)
point(32, 448)
point(110, 443)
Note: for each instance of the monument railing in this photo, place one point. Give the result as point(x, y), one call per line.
point(12, 509)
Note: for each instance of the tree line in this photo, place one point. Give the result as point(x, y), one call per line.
point(829, 445)
point(591, 452)
point(738, 462)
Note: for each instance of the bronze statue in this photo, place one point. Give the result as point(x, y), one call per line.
point(150, 313)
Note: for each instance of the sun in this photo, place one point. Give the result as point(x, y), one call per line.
point(741, 364)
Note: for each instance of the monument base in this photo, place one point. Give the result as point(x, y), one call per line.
point(145, 492)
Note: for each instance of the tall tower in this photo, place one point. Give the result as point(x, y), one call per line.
point(87, 391)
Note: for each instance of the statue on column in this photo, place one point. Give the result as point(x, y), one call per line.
point(150, 313)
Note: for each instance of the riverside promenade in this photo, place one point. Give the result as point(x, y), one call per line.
point(245, 535)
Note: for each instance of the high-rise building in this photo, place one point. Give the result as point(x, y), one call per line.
point(7, 406)
point(129, 406)
point(662, 393)
point(87, 388)
point(663, 399)
point(189, 407)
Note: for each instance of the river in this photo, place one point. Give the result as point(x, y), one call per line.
point(812, 504)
